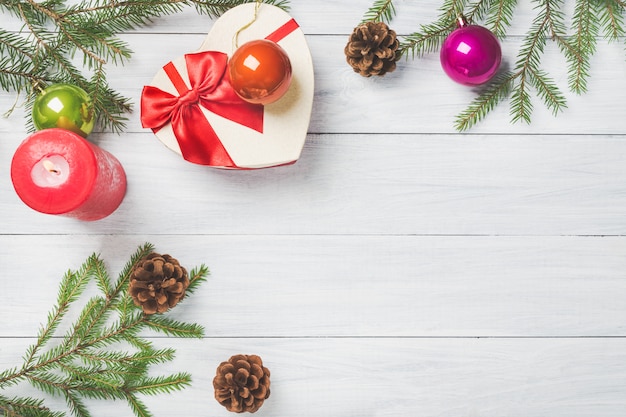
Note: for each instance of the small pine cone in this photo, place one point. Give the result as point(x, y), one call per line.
point(372, 49)
point(242, 383)
point(158, 283)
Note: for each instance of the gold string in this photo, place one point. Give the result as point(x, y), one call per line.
point(461, 21)
point(14, 106)
point(247, 25)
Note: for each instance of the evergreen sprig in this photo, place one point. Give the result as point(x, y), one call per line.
point(381, 11)
point(54, 34)
point(527, 79)
point(92, 360)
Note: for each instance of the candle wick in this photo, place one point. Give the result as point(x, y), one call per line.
point(50, 167)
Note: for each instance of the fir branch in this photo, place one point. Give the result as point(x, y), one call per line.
point(521, 104)
point(116, 333)
point(380, 11)
point(175, 328)
point(91, 316)
point(120, 360)
point(16, 75)
point(70, 35)
point(48, 382)
point(76, 405)
point(58, 33)
point(487, 100)
point(7, 377)
point(101, 275)
point(554, 17)
point(196, 277)
point(138, 342)
point(97, 310)
point(547, 90)
point(500, 16)
point(450, 10)
point(529, 59)
point(120, 16)
point(161, 384)
point(582, 45)
point(15, 48)
point(427, 40)
point(612, 18)
point(108, 104)
point(215, 8)
point(138, 407)
point(25, 407)
point(430, 37)
point(100, 383)
point(124, 276)
point(71, 287)
point(476, 11)
point(590, 18)
point(527, 74)
point(92, 362)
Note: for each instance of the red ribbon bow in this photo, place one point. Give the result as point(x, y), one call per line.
point(211, 88)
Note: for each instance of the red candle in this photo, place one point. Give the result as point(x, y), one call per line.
point(56, 171)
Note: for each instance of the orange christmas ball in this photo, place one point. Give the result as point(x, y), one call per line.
point(260, 71)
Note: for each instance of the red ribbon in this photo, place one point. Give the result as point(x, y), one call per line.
point(283, 31)
point(211, 88)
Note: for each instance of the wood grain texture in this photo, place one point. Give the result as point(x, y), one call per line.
point(399, 268)
point(356, 377)
point(364, 286)
point(325, 17)
point(364, 184)
point(416, 98)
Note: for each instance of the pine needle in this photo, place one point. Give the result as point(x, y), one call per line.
point(496, 91)
point(547, 90)
point(428, 40)
point(97, 359)
point(196, 277)
point(174, 328)
point(161, 384)
point(17, 406)
point(55, 34)
point(527, 80)
point(612, 19)
point(380, 11)
point(500, 16)
point(582, 45)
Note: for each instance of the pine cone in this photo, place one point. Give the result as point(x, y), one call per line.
point(372, 49)
point(242, 383)
point(158, 283)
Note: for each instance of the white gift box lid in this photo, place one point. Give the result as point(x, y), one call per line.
point(286, 121)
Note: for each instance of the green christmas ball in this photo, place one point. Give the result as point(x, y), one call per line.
point(65, 106)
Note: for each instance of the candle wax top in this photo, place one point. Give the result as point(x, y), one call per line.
point(60, 152)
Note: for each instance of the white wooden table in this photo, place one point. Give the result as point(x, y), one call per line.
point(398, 268)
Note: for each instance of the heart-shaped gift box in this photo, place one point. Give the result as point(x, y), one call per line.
point(191, 107)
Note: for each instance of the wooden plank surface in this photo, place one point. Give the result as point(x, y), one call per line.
point(365, 184)
point(398, 268)
point(416, 98)
point(356, 377)
point(362, 286)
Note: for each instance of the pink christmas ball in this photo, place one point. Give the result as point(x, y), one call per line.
point(471, 55)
